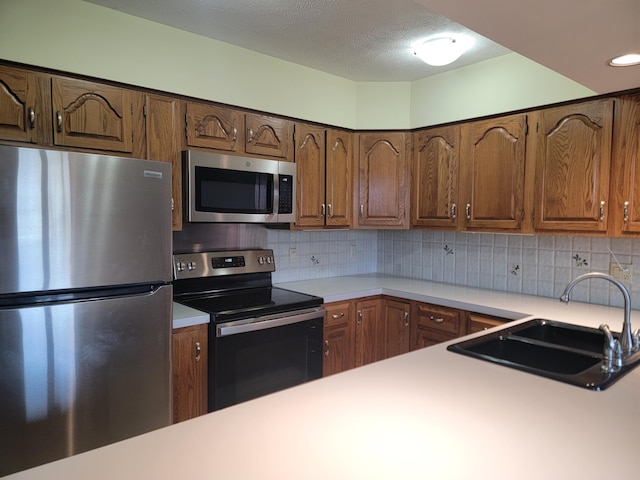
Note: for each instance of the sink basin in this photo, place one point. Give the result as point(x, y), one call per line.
point(556, 350)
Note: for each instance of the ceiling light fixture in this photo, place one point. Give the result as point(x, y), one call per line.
point(441, 51)
point(627, 60)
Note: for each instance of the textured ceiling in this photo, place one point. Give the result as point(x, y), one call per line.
point(362, 40)
point(371, 40)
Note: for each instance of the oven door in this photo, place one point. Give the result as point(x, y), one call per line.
point(254, 357)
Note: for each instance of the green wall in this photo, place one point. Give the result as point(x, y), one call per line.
point(78, 37)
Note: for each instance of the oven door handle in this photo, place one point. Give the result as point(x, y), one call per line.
point(268, 321)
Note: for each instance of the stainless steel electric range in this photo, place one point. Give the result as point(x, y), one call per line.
point(261, 338)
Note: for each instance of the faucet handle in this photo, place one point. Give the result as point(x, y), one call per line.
point(612, 351)
point(635, 340)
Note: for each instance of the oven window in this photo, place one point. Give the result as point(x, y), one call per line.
point(249, 365)
point(233, 191)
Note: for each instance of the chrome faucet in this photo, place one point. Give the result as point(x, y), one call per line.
point(628, 342)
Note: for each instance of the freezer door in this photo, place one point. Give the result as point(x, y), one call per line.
point(74, 220)
point(76, 376)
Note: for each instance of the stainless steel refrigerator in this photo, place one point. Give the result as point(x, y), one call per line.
point(85, 302)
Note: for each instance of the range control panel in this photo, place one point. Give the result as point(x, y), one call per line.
point(212, 264)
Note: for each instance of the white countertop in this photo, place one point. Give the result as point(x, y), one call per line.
point(426, 414)
point(184, 316)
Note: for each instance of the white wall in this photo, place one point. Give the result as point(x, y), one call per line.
point(78, 37)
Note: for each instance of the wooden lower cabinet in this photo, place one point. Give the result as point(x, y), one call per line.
point(370, 331)
point(396, 314)
point(189, 372)
point(477, 322)
point(339, 338)
point(431, 324)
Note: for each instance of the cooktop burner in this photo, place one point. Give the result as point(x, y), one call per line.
point(232, 305)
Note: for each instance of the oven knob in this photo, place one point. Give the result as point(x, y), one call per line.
point(180, 266)
point(269, 260)
point(191, 266)
point(261, 260)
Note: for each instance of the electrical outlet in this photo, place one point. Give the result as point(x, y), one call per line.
point(293, 255)
point(624, 274)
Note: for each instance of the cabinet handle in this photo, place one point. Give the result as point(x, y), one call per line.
point(323, 210)
point(625, 212)
point(337, 315)
point(235, 133)
point(330, 210)
point(326, 348)
point(453, 211)
point(602, 204)
point(359, 317)
point(31, 117)
point(250, 139)
point(436, 319)
point(467, 211)
point(361, 210)
point(59, 121)
point(198, 351)
point(406, 319)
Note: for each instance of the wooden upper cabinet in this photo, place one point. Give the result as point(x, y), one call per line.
point(211, 126)
point(92, 115)
point(382, 180)
point(324, 159)
point(25, 106)
point(492, 159)
point(310, 175)
point(339, 177)
point(163, 142)
point(572, 162)
point(625, 180)
point(434, 191)
point(268, 136)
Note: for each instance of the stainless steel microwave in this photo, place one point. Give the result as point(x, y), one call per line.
point(234, 189)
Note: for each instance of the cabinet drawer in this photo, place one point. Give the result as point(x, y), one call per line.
point(479, 323)
point(337, 313)
point(444, 320)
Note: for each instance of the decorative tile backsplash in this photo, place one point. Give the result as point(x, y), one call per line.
point(529, 264)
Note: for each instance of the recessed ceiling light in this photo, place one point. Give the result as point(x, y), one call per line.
point(627, 60)
point(441, 50)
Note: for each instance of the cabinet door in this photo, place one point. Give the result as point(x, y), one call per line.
point(163, 137)
point(269, 136)
point(210, 126)
point(189, 372)
point(339, 175)
point(624, 193)
point(433, 324)
point(383, 178)
point(477, 322)
point(492, 160)
point(310, 168)
point(573, 155)
point(92, 115)
point(435, 177)
point(396, 319)
point(25, 106)
point(370, 331)
point(339, 338)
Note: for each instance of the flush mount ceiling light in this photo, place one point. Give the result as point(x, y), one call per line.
point(441, 51)
point(627, 60)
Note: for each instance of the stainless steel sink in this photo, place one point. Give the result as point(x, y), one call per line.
point(556, 350)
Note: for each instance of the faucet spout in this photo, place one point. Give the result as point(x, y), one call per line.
point(626, 339)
